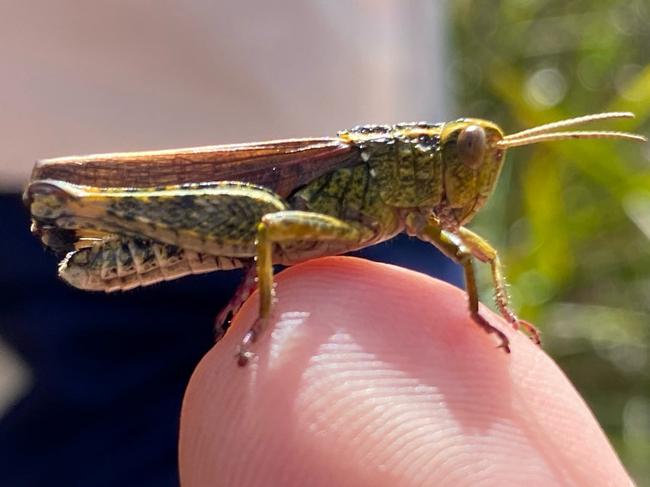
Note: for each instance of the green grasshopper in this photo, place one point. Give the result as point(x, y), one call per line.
point(130, 219)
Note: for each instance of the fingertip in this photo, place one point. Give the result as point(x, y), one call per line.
point(375, 375)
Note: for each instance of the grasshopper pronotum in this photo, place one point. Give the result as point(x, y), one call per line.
point(128, 219)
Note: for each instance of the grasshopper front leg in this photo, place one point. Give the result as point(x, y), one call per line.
point(332, 235)
point(429, 230)
point(484, 252)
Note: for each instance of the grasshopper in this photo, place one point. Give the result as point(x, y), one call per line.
point(130, 219)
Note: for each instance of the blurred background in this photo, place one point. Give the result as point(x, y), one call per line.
point(90, 385)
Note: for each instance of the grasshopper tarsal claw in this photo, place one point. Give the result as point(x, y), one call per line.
point(533, 333)
point(483, 323)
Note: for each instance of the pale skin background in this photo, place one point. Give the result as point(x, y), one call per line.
point(380, 378)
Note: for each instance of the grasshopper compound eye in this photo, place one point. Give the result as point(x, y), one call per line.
point(471, 145)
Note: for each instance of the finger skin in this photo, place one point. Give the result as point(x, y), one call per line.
point(373, 375)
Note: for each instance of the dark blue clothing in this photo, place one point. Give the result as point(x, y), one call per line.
point(109, 371)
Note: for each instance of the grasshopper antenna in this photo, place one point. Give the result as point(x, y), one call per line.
point(548, 132)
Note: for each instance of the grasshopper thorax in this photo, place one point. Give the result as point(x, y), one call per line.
point(471, 163)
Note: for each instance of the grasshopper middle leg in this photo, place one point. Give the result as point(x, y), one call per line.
point(332, 235)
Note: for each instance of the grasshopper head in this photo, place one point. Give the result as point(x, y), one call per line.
point(472, 161)
point(473, 151)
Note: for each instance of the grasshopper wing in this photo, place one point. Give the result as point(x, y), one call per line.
point(280, 165)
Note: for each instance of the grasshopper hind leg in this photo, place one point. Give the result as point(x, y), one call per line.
point(289, 228)
point(242, 293)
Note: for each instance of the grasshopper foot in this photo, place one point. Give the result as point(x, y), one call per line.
point(517, 324)
point(529, 329)
point(533, 333)
point(244, 355)
point(483, 323)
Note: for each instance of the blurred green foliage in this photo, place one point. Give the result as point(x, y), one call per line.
point(571, 219)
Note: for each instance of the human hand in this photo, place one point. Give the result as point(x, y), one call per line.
point(374, 375)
